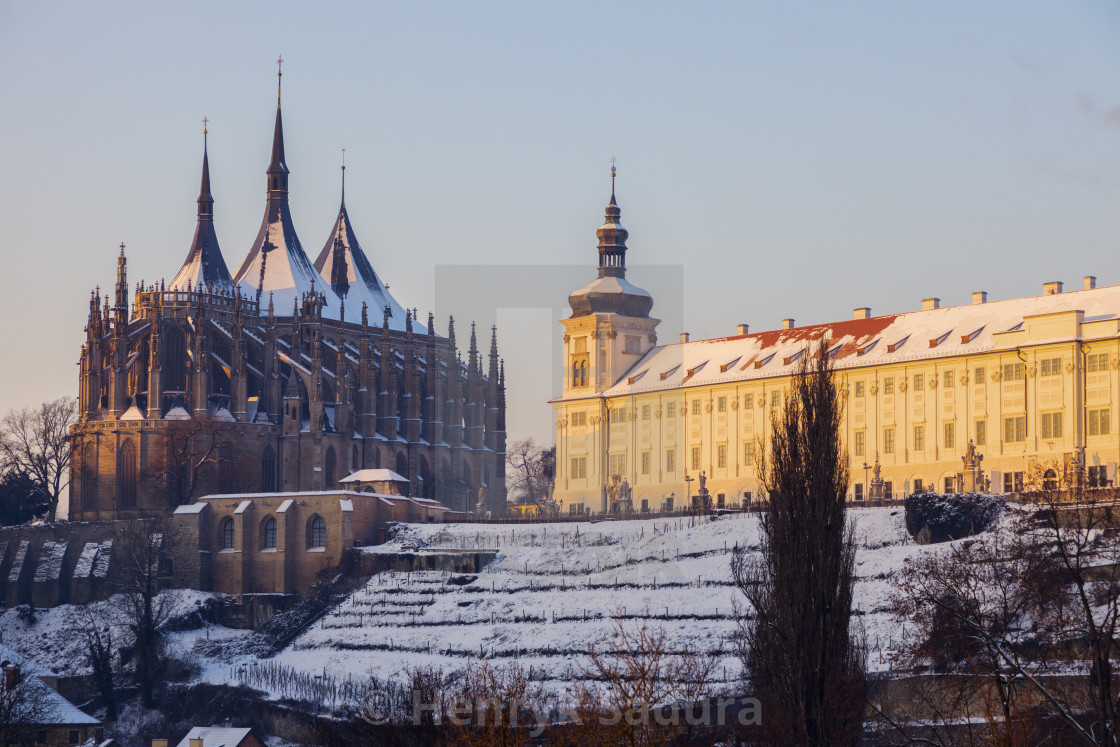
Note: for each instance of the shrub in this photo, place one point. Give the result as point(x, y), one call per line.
point(932, 517)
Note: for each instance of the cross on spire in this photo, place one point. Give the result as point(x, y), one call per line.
point(205, 122)
point(279, 76)
point(613, 172)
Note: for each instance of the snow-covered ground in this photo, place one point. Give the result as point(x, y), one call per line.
point(555, 589)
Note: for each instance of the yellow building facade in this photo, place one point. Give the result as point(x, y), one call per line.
point(1031, 382)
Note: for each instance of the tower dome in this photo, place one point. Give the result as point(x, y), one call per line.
point(611, 292)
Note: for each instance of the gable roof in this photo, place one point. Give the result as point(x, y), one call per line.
point(215, 736)
point(919, 335)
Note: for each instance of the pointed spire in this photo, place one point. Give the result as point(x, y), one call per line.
point(204, 263)
point(612, 237)
point(278, 168)
point(451, 334)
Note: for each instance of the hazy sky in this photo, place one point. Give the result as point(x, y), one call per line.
point(795, 159)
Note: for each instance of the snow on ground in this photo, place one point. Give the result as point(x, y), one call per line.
point(55, 640)
point(554, 590)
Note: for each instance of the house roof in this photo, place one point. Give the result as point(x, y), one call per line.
point(374, 475)
point(214, 736)
point(914, 336)
point(55, 710)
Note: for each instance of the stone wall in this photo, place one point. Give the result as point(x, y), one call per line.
point(51, 564)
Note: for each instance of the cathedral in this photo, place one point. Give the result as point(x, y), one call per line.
point(997, 396)
point(286, 375)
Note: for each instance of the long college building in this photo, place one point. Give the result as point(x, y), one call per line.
point(1029, 384)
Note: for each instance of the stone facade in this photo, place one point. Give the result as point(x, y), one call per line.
point(286, 376)
point(51, 564)
point(282, 543)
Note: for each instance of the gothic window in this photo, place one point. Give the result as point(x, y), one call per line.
point(402, 465)
point(173, 359)
point(268, 534)
point(126, 475)
point(329, 465)
point(355, 460)
point(376, 459)
point(268, 470)
point(87, 479)
point(226, 533)
point(316, 532)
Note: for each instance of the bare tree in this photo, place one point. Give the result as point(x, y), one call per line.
point(100, 651)
point(1023, 606)
point(193, 448)
point(799, 652)
point(639, 687)
point(531, 469)
point(494, 707)
point(27, 705)
point(37, 443)
point(144, 551)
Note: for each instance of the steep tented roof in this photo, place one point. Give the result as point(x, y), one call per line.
point(913, 336)
point(354, 277)
point(204, 263)
point(276, 262)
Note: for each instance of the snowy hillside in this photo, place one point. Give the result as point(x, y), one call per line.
point(554, 589)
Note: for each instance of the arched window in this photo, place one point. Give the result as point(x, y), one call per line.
point(355, 460)
point(402, 465)
point(268, 534)
point(1049, 480)
point(126, 475)
point(316, 532)
point(268, 470)
point(376, 459)
point(225, 533)
point(173, 360)
point(87, 480)
point(329, 464)
point(575, 373)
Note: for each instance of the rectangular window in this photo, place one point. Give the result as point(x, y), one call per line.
point(645, 412)
point(618, 464)
point(579, 468)
point(888, 490)
point(888, 440)
point(645, 462)
point(775, 398)
point(618, 415)
point(919, 382)
point(721, 404)
point(919, 437)
point(1013, 482)
point(1098, 476)
point(861, 443)
point(981, 432)
point(671, 410)
point(978, 376)
point(859, 388)
point(579, 419)
point(748, 401)
point(1051, 425)
point(1012, 372)
point(950, 435)
point(1096, 363)
point(695, 457)
point(949, 485)
point(1015, 429)
point(888, 385)
point(721, 456)
point(748, 453)
point(695, 407)
point(1100, 422)
point(1050, 366)
point(858, 491)
point(671, 460)
point(948, 380)
point(918, 486)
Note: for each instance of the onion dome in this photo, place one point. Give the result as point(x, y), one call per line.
point(611, 292)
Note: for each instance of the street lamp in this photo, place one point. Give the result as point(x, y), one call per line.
point(688, 487)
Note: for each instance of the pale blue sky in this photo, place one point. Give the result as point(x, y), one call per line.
point(797, 159)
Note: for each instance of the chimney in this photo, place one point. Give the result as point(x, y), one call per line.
point(160, 743)
point(863, 312)
point(684, 337)
point(1052, 288)
point(11, 676)
point(196, 743)
point(931, 303)
point(979, 297)
point(744, 329)
point(788, 324)
point(1090, 282)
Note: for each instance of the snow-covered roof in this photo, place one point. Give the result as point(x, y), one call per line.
point(364, 285)
point(190, 508)
point(53, 709)
point(216, 736)
point(914, 336)
point(373, 475)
